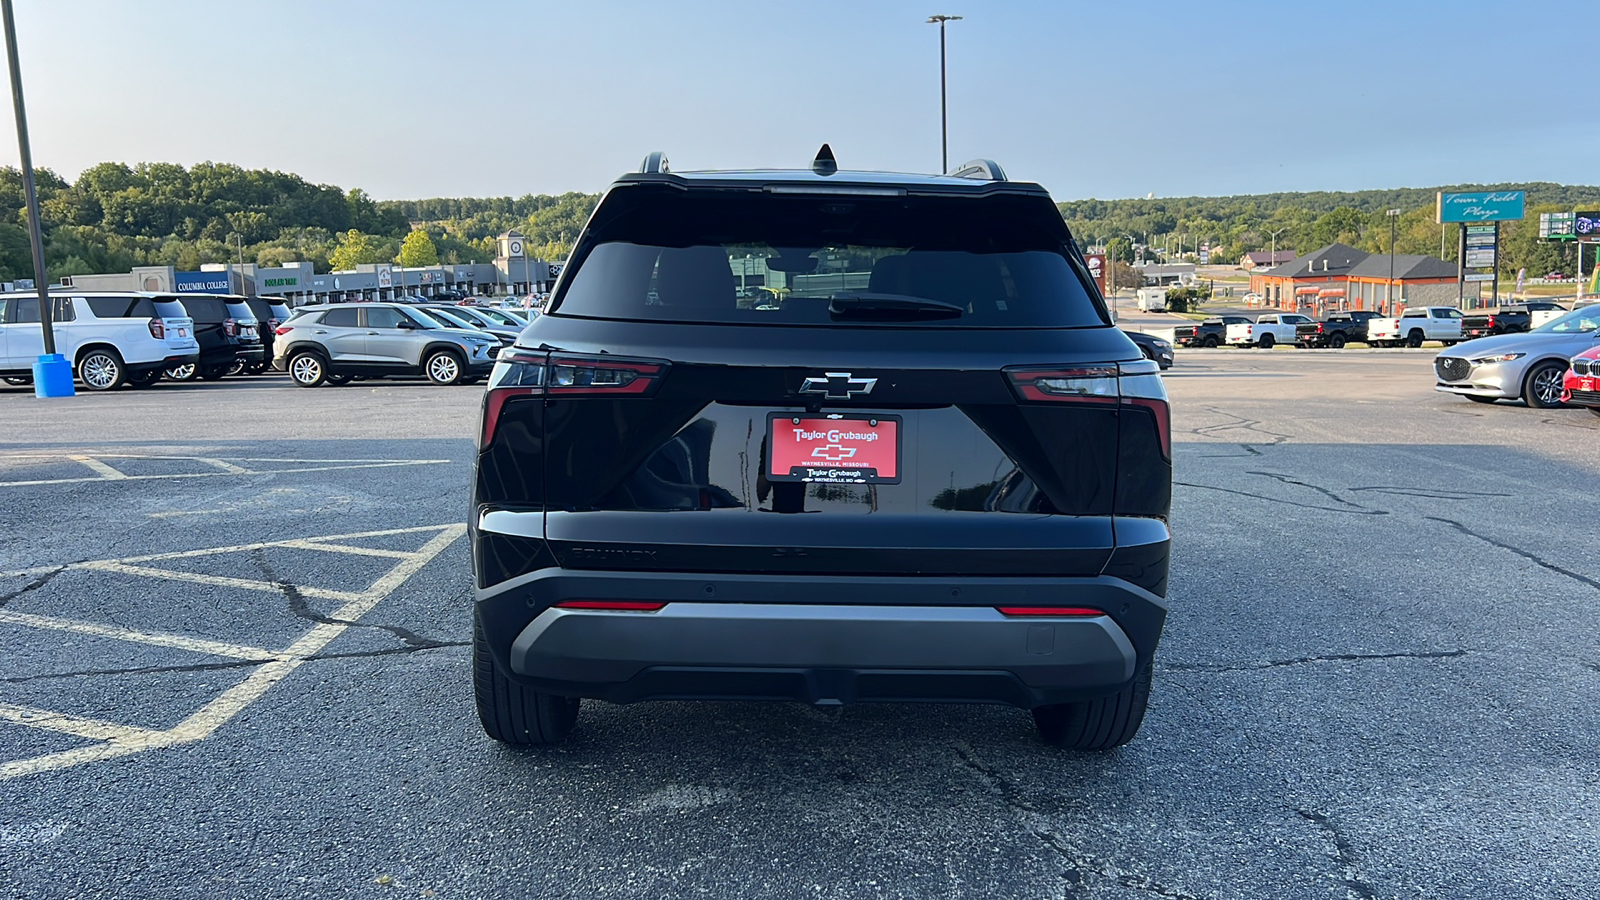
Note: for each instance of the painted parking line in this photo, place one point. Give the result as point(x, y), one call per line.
point(112, 740)
point(209, 466)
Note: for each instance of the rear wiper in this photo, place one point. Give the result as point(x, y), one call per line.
point(867, 305)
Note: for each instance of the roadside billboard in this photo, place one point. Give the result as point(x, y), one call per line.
point(1097, 268)
point(1490, 206)
point(202, 282)
point(1555, 225)
point(1586, 225)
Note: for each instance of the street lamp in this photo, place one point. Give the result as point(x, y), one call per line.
point(1388, 292)
point(944, 113)
point(1274, 260)
point(239, 239)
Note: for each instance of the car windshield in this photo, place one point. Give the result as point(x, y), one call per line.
point(1579, 321)
point(446, 319)
point(741, 258)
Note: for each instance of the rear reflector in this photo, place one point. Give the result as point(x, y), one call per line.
point(617, 605)
point(1076, 612)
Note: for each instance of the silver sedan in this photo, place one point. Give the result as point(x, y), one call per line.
point(1528, 365)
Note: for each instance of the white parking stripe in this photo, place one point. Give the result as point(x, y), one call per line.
point(106, 472)
point(152, 638)
point(219, 467)
point(120, 740)
point(248, 584)
point(345, 548)
point(224, 465)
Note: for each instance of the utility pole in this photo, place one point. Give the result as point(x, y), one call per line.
point(1274, 260)
point(1388, 294)
point(52, 374)
point(944, 107)
point(239, 238)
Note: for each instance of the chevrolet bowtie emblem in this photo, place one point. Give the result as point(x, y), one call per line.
point(838, 385)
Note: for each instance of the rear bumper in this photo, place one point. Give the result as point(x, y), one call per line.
point(169, 362)
point(820, 639)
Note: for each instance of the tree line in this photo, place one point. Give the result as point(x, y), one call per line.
point(116, 216)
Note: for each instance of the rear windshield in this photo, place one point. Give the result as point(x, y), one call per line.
point(760, 259)
point(123, 308)
point(241, 311)
point(209, 310)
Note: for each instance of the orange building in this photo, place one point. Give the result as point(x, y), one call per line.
point(1340, 277)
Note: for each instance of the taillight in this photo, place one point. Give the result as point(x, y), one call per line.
point(1491, 321)
point(273, 324)
point(284, 329)
point(158, 329)
point(227, 327)
point(1319, 329)
point(521, 373)
point(1057, 611)
point(1125, 384)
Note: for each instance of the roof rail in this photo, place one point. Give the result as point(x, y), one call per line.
point(979, 169)
point(655, 163)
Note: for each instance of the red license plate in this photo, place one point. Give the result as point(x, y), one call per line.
point(836, 448)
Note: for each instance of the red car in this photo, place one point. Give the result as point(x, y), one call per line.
point(1581, 384)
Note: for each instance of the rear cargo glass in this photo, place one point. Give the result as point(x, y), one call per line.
point(742, 257)
point(209, 310)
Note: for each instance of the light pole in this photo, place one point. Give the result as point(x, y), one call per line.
point(1274, 260)
point(239, 239)
point(1388, 293)
point(944, 107)
point(1132, 244)
point(52, 374)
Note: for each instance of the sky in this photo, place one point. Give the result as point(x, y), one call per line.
point(422, 98)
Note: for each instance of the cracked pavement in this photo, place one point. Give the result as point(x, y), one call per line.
point(1375, 681)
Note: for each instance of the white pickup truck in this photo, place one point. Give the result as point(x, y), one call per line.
point(1423, 323)
point(1272, 328)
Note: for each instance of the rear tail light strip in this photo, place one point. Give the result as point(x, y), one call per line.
point(1126, 384)
point(1060, 612)
point(526, 373)
point(228, 326)
point(158, 329)
point(613, 605)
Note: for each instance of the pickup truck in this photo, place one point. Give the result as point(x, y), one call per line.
point(1422, 323)
point(1507, 320)
point(1335, 331)
point(1272, 328)
point(1208, 333)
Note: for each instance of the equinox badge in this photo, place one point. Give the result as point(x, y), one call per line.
point(838, 386)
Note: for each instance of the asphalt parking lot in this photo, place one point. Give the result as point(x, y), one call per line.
point(234, 618)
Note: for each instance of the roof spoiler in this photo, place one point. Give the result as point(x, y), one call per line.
point(979, 170)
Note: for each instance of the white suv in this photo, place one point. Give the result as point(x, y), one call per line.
point(110, 338)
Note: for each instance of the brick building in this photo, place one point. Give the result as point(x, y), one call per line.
point(1340, 277)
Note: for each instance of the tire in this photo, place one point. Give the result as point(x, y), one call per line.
point(19, 380)
point(145, 379)
point(255, 368)
point(339, 380)
point(1266, 342)
point(307, 369)
point(511, 713)
point(443, 367)
point(1337, 341)
point(1414, 339)
point(1541, 388)
point(1211, 342)
point(239, 367)
point(185, 372)
point(1595, 410)
point(102, 370)
point(1096, 724)
point(1476, 399)
point(215, 373)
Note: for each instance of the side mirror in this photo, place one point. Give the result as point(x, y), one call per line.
point(406, 325)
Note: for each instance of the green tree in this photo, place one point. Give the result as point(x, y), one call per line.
point(356, 248)
point(418, 250)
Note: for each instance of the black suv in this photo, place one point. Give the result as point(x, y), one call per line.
point(911, 460)
point(270, 312)
point(228, 334)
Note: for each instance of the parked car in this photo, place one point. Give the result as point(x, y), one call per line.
point(1207, 333)
point(1529, 365)
point(1336, 330)
point(1506, 320)
point(1581, 384)
point(270, 312)
point(1415, 325)
point(1253, 299)
point(892, 492)
point(456, 317)
point(505, 317)
point(228, 334)
point(1266, 331)
point(1152, 347)
point(111, 338)
point(506, 330)
point(330, 344)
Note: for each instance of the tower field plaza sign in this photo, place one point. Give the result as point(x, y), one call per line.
point(1487, 206)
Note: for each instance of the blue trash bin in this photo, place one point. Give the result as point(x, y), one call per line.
point(52, 376)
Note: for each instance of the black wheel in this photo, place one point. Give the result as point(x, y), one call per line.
point(307, 369)
point(1542, 387)
point(1414, 339)
point(239, 367)
point(1595, 410)
point(339, 380)
point(19, 380)
point(1337, 341)
point(1096, 724)
point(443, 367)
point(256, 368)
point(511, 713)
point(101, 370)
point(1210, 342)
point(185, 372)
point(1476, 399)
point(214, 373)
point(1266, 342)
